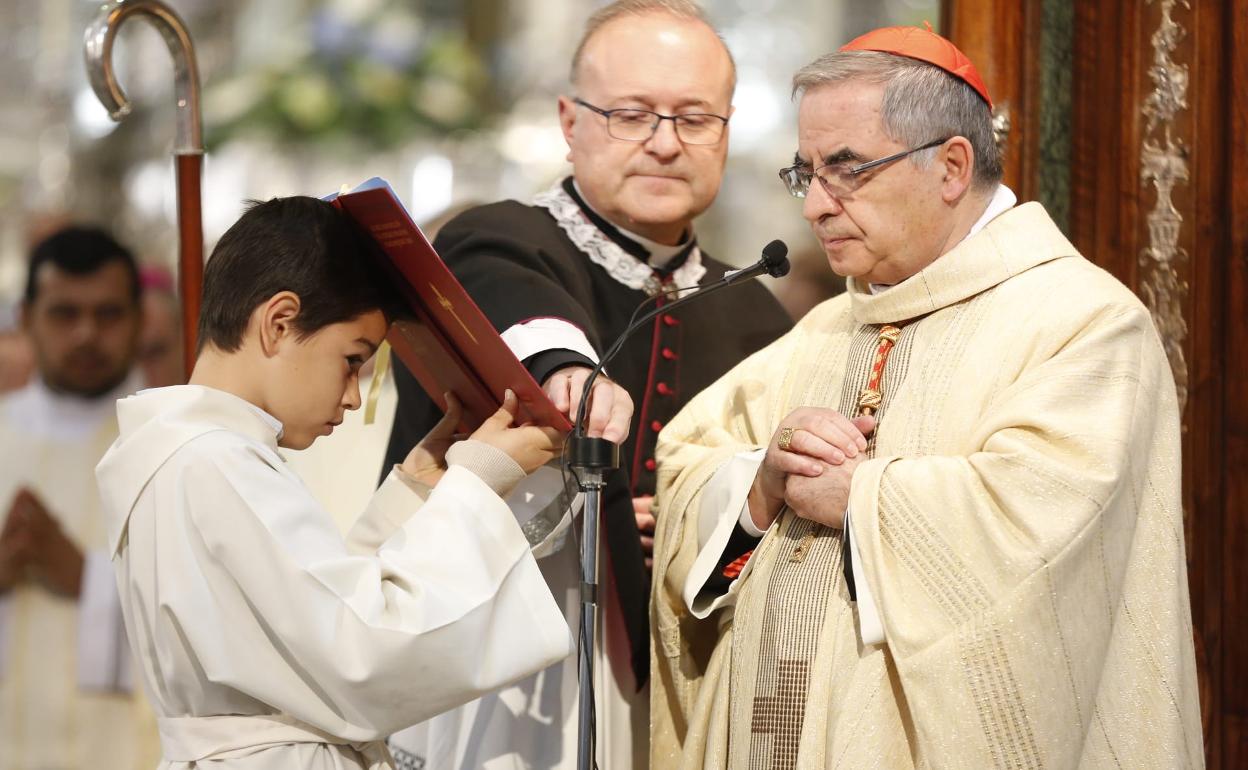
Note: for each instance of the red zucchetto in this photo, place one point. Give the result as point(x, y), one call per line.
point(924, 45)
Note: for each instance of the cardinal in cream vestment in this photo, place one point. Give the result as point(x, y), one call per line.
point(1018, 522)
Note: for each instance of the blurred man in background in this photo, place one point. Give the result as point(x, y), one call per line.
point(66, 689)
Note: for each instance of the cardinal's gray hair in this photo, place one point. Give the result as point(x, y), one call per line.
point(922, 103)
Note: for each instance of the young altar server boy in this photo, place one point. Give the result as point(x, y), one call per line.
point(265, 640)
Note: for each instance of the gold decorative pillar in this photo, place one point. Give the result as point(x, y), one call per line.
point(1164, 164)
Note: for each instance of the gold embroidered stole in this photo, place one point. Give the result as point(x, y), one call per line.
point(807, 570)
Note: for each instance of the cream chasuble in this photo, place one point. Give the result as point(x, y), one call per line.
point(265, 640)
point(68, 693)
point(1018, 522)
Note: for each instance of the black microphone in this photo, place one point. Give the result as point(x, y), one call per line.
point(774, 262)
point(777, 256)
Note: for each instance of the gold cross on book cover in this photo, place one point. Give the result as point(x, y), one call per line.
point(448, 344)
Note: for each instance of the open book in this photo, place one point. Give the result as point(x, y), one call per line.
point(449, 345)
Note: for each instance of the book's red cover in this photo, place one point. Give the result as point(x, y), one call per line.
point(450, 345)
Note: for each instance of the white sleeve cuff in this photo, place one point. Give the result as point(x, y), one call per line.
point(728, 490)
point(492, 465)
point(718, 513)
point(103, 654)
point(541, 334)
point(394, 502)
point(869, 623)
point(746, 520)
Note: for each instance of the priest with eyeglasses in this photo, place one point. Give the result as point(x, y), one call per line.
point(647, 123)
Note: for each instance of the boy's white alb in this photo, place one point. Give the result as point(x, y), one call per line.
point(242, 599)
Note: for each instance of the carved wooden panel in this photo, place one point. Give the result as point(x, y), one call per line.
point(1155, 200)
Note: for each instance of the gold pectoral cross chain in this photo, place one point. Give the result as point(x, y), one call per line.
point(872, 397)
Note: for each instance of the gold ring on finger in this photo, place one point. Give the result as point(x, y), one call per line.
point(786, 438)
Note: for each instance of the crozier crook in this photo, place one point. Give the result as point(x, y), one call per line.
point(188, 148)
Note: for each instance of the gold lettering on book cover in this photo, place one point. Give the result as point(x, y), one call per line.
point(392, 233)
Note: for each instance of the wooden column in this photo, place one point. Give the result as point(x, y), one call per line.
point(995, 35)
point(1230, 530)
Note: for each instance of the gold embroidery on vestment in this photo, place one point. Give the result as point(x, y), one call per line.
point(802, 548)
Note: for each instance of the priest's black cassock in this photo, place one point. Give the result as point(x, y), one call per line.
point(560, 259)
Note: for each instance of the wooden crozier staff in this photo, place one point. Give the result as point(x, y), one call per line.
point(188, 150)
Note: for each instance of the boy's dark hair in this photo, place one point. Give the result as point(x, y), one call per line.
point(297, 244)
point(79, 250)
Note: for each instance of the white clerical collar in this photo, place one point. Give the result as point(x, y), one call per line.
point(43, 412)
point(1003, 199)
point(268, 419)
point(660, 253)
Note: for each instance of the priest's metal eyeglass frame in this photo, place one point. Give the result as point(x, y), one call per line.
point(630, 124)
point(837, 180)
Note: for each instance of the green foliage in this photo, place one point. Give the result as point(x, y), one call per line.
point(374, 82)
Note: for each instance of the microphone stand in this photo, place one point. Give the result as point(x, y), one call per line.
point(591, 461)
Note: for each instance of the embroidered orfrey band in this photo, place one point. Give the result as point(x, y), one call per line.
point(872, 396)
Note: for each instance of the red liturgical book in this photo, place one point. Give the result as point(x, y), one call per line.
point(451, 345)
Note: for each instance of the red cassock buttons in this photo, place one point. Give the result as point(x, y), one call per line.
point(669, 320)
point(663, 389)
point(669, 354)
point(651, 464)
point(656, 426)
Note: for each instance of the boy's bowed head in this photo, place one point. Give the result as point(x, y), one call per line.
point(295, 302)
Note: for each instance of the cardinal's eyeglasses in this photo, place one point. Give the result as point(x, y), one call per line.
point(840, 179)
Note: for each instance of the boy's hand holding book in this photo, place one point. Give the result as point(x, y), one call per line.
point(427, 461)
point(531, 446)
point(498, 452)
